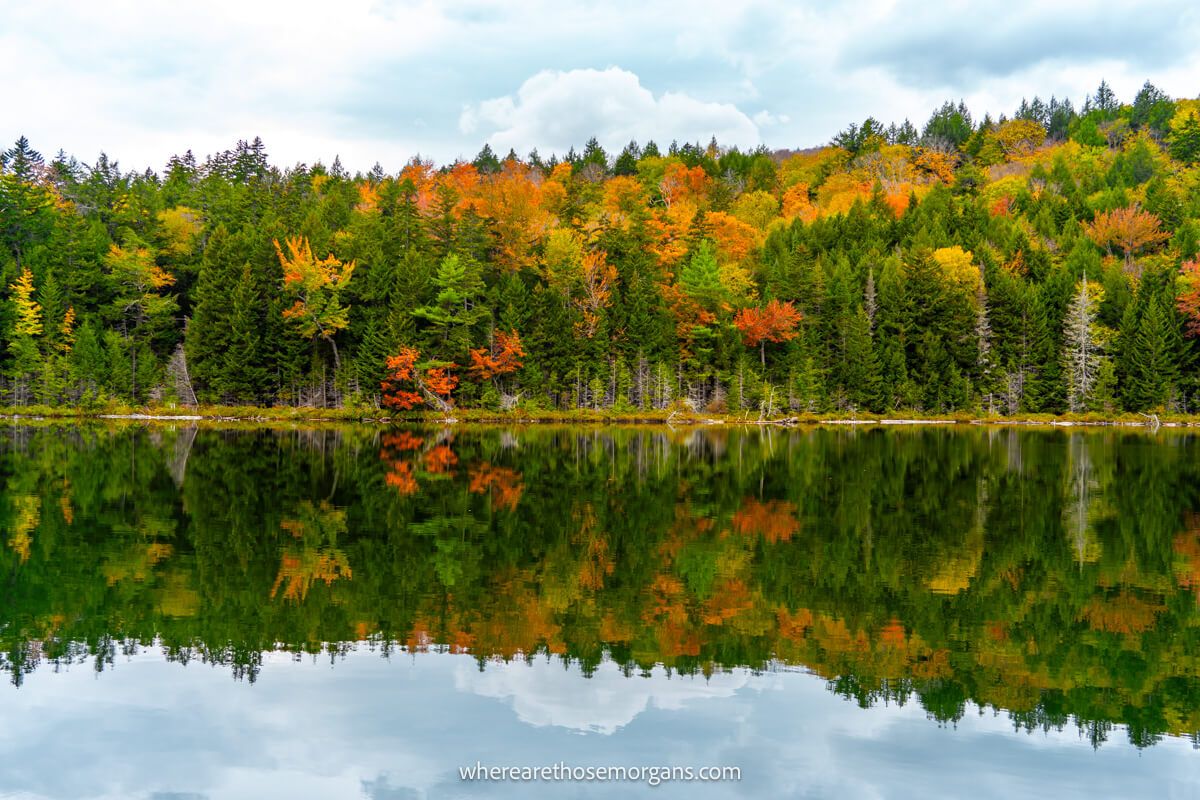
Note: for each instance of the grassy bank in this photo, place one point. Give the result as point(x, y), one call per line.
point(579, 416)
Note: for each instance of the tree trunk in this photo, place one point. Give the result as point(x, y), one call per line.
point(337, 361)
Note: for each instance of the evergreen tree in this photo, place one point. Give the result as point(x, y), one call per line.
point(25, 204)
point(455, 310)
point(88, 364)
point(487, 162)
point(1151, 360)
point(700, 279)
point(1185, 142)
point(207, 338)
point(860, 376)
point(626, 163)
point(243, 372)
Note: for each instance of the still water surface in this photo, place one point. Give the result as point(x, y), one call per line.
point(358, 612)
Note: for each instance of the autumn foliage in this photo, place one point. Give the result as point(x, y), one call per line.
point(1188, 299)
point(597, 282)
point(1129, 230)
point(774, 520)
point(407, 386)
point(401, 375)
point(774, 322)
point(503, 358)
point(315, 284)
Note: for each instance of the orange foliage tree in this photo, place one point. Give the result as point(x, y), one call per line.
point(797, 205)
point(680, 183)
point(938, 163)
point(624, 201)
point(774, 520)
point(774, 322)
point(434, 385)
point(393, 452)
point(503, 358)
point(512, 202)
point(503, 484)
point(734, 239)
point(598, 279)
point(1129, 229)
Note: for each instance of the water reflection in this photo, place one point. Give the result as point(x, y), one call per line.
point(1051, 576)
point(400, 728)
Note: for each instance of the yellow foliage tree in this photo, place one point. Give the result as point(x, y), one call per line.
point(29, 311)
point(1019, 137)
point(179, 228)
point(756, 209)
point(958, 265)
point(315, 285)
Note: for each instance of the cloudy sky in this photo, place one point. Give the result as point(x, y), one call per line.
point(400, 729)
point(382, 80)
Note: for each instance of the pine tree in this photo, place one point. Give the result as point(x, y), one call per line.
point(1047, 391)
point(88, 364)
point(985, 366)
point(870, 300)
point(25, 204)
point(626, 163)
point(1124, 346)
point(700, 278)
point(455, 310)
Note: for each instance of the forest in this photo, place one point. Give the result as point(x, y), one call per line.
point(1043, 261)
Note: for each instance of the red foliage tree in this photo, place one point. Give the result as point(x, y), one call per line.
point(774, 322)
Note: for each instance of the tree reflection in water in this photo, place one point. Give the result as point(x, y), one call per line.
point(1053, 575)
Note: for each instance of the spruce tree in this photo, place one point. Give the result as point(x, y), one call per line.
point(860, 374)
point(243, 373)
point(206, 340)
point(1151, 360)
point(700, 278)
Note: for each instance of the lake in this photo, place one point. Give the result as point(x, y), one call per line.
point(238, 611)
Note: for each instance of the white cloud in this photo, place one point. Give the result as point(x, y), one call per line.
point(765, 118)
point(543, 693)
point(554, 111)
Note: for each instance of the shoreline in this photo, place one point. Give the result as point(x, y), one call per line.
point(674, 418)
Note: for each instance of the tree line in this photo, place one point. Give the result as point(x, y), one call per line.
point(1043, 262)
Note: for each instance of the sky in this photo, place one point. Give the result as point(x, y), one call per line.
point(385, 80)
point(399, 729)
